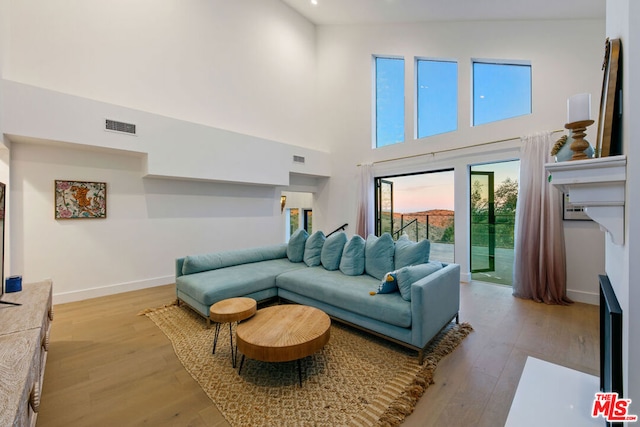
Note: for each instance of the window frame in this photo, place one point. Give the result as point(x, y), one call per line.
point(514, 62)
point(416, 113)
point(374, 97)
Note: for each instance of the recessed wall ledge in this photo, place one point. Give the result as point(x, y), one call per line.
point(599, 186)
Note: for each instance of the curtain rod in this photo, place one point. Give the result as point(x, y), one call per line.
point(453, 149)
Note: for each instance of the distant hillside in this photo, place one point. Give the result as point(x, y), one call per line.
point(432, 212)
point(437, 217)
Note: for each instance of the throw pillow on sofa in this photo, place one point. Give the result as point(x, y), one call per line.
point(332, 251)
point(378, 255)
point(407, 276)
point(295, 247)
point(389, 283)
point(352, 260)
point(411, 253)
point(313, 249)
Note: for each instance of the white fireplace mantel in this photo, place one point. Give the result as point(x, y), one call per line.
point(599, 186)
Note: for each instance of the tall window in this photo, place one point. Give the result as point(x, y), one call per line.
point(500, 91)
point(389, 93)
point(437, 95)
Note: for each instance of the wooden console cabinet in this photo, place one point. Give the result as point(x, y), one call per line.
point(24, 342)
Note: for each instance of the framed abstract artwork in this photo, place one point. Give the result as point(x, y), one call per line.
point(80, 199)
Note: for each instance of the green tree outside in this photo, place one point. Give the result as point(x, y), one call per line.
point(505, 200)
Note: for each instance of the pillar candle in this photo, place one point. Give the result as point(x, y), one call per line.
point(579, 108)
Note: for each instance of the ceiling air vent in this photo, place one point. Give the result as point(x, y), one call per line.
point(115, 126)
point(298, 159)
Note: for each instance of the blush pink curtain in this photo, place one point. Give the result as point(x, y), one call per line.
point(540, 264)
point(364, 219)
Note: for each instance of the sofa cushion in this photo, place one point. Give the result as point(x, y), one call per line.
point(295, 247)
point(209, 287)
point(332, 251)
point(411, 253)
point(408, 275)
point(352, 260)
point(198, 263)
point(378, 255)
point(389, 283)
point(351, 293)
point(313, 249)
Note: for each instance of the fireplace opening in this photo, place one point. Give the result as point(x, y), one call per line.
point(611, 379)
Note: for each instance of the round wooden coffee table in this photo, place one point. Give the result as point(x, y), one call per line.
point(229, 311)
point(283, 333)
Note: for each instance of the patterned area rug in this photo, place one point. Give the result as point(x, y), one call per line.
point(357, 379)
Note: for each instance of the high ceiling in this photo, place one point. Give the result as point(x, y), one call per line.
point(328, 12)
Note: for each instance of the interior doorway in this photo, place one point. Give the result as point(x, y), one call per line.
point(308, 220)
point(494, 194)
point(297, 212)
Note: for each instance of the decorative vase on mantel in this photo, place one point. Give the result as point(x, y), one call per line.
point(562, 149)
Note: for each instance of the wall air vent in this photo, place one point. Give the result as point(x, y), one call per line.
point(298, 159)
point(115, 126)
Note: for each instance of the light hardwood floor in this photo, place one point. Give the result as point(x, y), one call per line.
point(107, 366)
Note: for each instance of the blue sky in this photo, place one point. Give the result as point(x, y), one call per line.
point(500, 92)
point(437, 89)
point(389, 101)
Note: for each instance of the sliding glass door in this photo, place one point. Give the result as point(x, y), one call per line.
point(420, 206)
point(494, 193)
point(483, 222)
point(384, 206)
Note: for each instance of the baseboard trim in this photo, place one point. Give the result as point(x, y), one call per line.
point(83, 294)
point(584, 297)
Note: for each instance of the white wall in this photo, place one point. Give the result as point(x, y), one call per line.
point(149, 223)
point(173, 148)
point(585, 244)
point(4, 33)
point(243, 65)
point(622, 267)
point(566, 58)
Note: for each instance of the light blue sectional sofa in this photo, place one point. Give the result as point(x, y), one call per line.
point(388, 288)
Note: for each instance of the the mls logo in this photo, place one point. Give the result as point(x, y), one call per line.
point(611, 408)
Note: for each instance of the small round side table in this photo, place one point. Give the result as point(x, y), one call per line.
point(229, 311)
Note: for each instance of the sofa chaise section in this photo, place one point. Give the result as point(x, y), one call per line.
point(203, 280)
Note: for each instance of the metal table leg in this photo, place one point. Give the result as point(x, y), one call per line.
point(215, 338)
